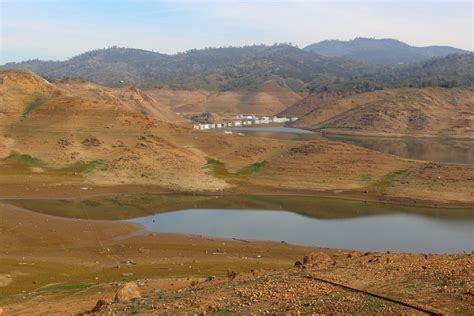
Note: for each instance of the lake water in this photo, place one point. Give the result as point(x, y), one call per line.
point(387, 232)
point(317, 221)
point(432, 149)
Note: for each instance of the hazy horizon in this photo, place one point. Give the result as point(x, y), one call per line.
point(54, 30)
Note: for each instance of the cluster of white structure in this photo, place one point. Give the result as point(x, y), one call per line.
point(246, 120)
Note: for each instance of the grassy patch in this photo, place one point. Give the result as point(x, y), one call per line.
point(256, 167)
point(30, 107)
point(28, 159)
point(390, 179)
point(215, 162)
point(216, 167)
point(365, 177)
point(17, 163)
point(85, 167)
point(66, 288)
point(253, 168)
point(373, 303)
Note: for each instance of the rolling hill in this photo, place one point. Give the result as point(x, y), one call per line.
point(233, 68)
point(130, 98)
point(59, 137)
point(53, 130)
point(250, 68)
point(396, 112)
point(380, 51)
point(270, 99)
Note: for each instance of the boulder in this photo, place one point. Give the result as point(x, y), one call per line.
point(318, 260)
point(231, 275)
point(127, 292)
point(103, 301)
point(353, 254)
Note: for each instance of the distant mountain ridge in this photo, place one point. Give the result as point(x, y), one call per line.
point(227, 68)
point(380, 51)
point(250, 68)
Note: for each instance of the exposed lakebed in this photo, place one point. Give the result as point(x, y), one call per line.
point(311, 221)
point(431, 149)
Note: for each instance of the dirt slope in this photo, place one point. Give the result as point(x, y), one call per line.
point(132, 98)
point(312, 102)
point(269, 100)
point(51, 130)
point(426, 112)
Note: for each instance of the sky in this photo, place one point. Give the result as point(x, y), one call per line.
point(58, 30)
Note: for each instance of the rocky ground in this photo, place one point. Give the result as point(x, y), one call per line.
point(371, 283)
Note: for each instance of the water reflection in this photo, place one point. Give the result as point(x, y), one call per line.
point(390, 232)
point(323, 222)
point(120, 207)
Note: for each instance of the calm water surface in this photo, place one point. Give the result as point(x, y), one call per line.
point(387, 232)
point(440, 150)
point(315, 221)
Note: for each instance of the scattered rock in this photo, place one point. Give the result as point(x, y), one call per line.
point(129, 262)
point(318, 260)
point(231, 275)
point(307, 149)
point(63, 143)
point(210, 278)
point(353, 254)
point(298, 264)
point(103, 301)
point(91, 141)
point(373, 260)
point(127, 292)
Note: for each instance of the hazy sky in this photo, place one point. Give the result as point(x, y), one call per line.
point(62, 29)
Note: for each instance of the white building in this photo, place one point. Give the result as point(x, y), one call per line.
point(277, 119)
